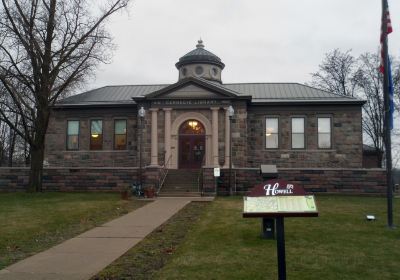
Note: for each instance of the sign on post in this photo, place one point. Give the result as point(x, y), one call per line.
point(217, 172)
point(276, 199)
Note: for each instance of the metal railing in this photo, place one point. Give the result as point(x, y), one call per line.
point(200, 176)
point(163, 174)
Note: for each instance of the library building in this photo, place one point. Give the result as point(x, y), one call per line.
point(201, 136)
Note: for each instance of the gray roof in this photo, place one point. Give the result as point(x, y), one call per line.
point(261, 93)
point(284, 92)
point(111, 95)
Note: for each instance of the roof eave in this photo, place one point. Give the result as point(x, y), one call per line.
point(94, 105)
point(216, 63)
point(309, 102)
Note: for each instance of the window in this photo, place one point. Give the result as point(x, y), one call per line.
point(199, 70)
point(184, 72)
point(120, 135)
point(72, 135)
point(271, 133)
point(324, 133)
point(298, 139)
point(96, 135)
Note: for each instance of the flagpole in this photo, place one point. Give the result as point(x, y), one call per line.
point(387, 132)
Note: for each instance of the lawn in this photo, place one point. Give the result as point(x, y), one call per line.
point(340, 244)
point(149, 256)
point(30, 223)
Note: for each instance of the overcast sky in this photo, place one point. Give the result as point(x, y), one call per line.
point(258, 40)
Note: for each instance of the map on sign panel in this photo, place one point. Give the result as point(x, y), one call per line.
point(277, 204)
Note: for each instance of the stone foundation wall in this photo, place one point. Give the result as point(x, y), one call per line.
point(313, 180)
point(70, 179)
point(316, 180)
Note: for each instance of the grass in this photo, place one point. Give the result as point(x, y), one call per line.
point(30, 223)
point(340, 244)
point(150, 255)
point(213, 241)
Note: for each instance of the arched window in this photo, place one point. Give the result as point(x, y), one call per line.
point(192, 127)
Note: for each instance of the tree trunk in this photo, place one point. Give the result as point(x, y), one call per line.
point(27, 153)
point(13, 136)
point(37, 151)
point(36, 171)
point(380, 157)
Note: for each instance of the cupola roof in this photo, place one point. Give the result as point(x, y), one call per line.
point(199, 55)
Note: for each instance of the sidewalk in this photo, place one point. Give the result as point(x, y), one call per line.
point(85, 255)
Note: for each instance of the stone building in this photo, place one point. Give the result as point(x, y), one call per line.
point(314, 137)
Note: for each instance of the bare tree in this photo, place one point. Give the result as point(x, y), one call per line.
point(48, 48)
point(370, 80)
point(10, 142)
point(336, 73)
point(343, 74)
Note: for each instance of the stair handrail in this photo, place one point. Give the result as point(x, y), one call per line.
point(163, 174)
point(200, 176)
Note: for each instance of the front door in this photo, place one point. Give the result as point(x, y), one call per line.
point(191, 144)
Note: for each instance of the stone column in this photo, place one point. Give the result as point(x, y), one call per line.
point(215, 159)
point(154, 138)
point(227, 142)
point(167, 137)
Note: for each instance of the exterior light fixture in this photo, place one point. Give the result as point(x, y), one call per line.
point(141, 114)
point(95, 135)
point(231, 112)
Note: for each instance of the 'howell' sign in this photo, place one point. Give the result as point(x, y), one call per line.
point(276, 188)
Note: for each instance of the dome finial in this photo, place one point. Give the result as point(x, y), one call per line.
point(200, 44)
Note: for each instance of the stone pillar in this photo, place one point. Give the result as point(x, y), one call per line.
point(227, 142)
point(215, 158)
point(154, 138)
point(167, 137)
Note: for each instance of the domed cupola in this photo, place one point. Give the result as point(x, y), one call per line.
point(200, 63)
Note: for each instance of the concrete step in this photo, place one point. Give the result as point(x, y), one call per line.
point(179, 194)
point(175, 189)
point(179, 177)
point(182, 182)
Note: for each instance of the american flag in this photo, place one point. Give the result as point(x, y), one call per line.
point(385, 22)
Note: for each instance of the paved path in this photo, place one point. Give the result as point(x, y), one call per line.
point(85, 255)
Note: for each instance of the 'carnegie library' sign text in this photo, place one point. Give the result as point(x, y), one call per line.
point(188, 102)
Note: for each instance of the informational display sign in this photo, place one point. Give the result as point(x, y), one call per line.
point(272, 201)
point(217, 172)
point(276, 198)
point(279, 204)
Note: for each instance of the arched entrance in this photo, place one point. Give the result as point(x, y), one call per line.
point(192, 144)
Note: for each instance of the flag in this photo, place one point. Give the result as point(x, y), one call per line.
point(385, 22)
point(391, 105)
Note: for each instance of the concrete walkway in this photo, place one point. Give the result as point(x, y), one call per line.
point(87, 254)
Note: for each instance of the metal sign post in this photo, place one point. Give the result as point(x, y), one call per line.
point(277, 199)
point(280, 245)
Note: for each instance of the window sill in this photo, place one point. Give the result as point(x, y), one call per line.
point(301, 150)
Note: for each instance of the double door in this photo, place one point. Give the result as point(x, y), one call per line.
point(191, 151)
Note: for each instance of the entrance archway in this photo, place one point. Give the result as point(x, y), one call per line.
point(192, 144)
